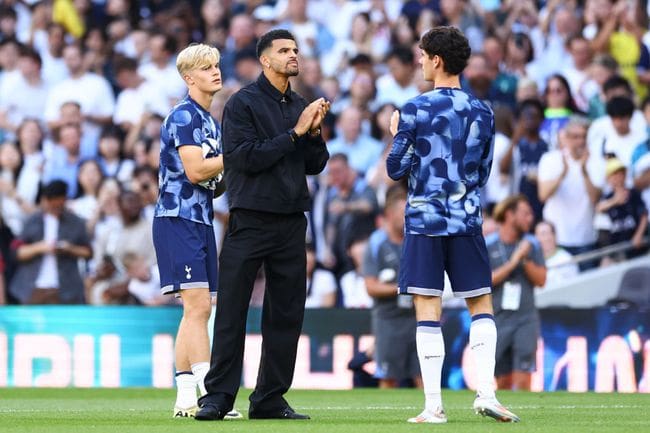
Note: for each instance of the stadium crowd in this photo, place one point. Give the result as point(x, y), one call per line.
point(85, 85)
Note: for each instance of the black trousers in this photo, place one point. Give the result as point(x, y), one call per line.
point(277, 241)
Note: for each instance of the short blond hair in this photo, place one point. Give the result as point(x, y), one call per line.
point(196, 56)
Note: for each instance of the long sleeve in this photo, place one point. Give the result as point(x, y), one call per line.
point(399, 160)
point(316, 155)
point(243, 149)
point(486, 158)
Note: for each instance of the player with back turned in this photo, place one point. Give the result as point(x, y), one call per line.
point(443, 141)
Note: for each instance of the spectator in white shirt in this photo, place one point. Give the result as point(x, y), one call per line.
point(23, 95)
point(92, 92)
point(51, 51)
point(621, 140)
point(556, 258)
point(640, 164)
point(161, 70)
point(569, 184)
point(144, 280)
point(321, 284)
point(577, 73)
point(397, 85)
point(313, 38)
point(9, 51)
point(353, 284)
point(111, 159)
point(30, 138)
point(89, 178)
point(137, 96)
point(602, 127)
point(13, 207)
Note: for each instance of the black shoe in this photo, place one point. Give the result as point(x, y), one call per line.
point(210, 412)
point(284, 413)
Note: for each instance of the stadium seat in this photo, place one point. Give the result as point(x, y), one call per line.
point(634, 288)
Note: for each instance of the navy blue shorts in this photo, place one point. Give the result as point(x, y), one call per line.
point(425, 258)
point(187, 254)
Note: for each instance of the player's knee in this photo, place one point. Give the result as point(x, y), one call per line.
point(198, 310)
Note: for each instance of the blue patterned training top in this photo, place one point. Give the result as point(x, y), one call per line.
point(444, 143)
point(187, 124)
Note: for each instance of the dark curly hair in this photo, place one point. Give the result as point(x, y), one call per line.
point(450, 44)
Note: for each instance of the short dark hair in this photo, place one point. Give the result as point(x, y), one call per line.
point(531, 102)
point(450, 44)
point(620, 106)
point(402, 54)
point(54, 189)
point(10, 41)
point(8, 12)
point(30, 53)
point(267, 39)
point(342, 157)
point(111, 131)
point(246, 54)
point(361, 59)
point(123, 63)
point(615, 82)
point(169, 43)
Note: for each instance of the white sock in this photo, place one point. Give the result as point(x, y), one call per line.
point(483, 343)
point(200, 369)
point(185, 389)
point(431, 353)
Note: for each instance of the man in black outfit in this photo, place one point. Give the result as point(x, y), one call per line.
point(271, 140)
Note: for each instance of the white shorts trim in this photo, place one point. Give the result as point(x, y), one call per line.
point(473, 293)
point(423, 291)
point(168, 289)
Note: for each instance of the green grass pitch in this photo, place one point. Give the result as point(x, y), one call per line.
point(358, 411)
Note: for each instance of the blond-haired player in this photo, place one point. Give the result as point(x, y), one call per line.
point(191, 167)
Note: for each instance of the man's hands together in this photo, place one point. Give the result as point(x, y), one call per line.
point(311, 117)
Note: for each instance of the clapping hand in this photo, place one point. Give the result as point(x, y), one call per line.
point(522, 251)
point(306, 118)
point(394, 122)
point(312, 116)
point(323, 106)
